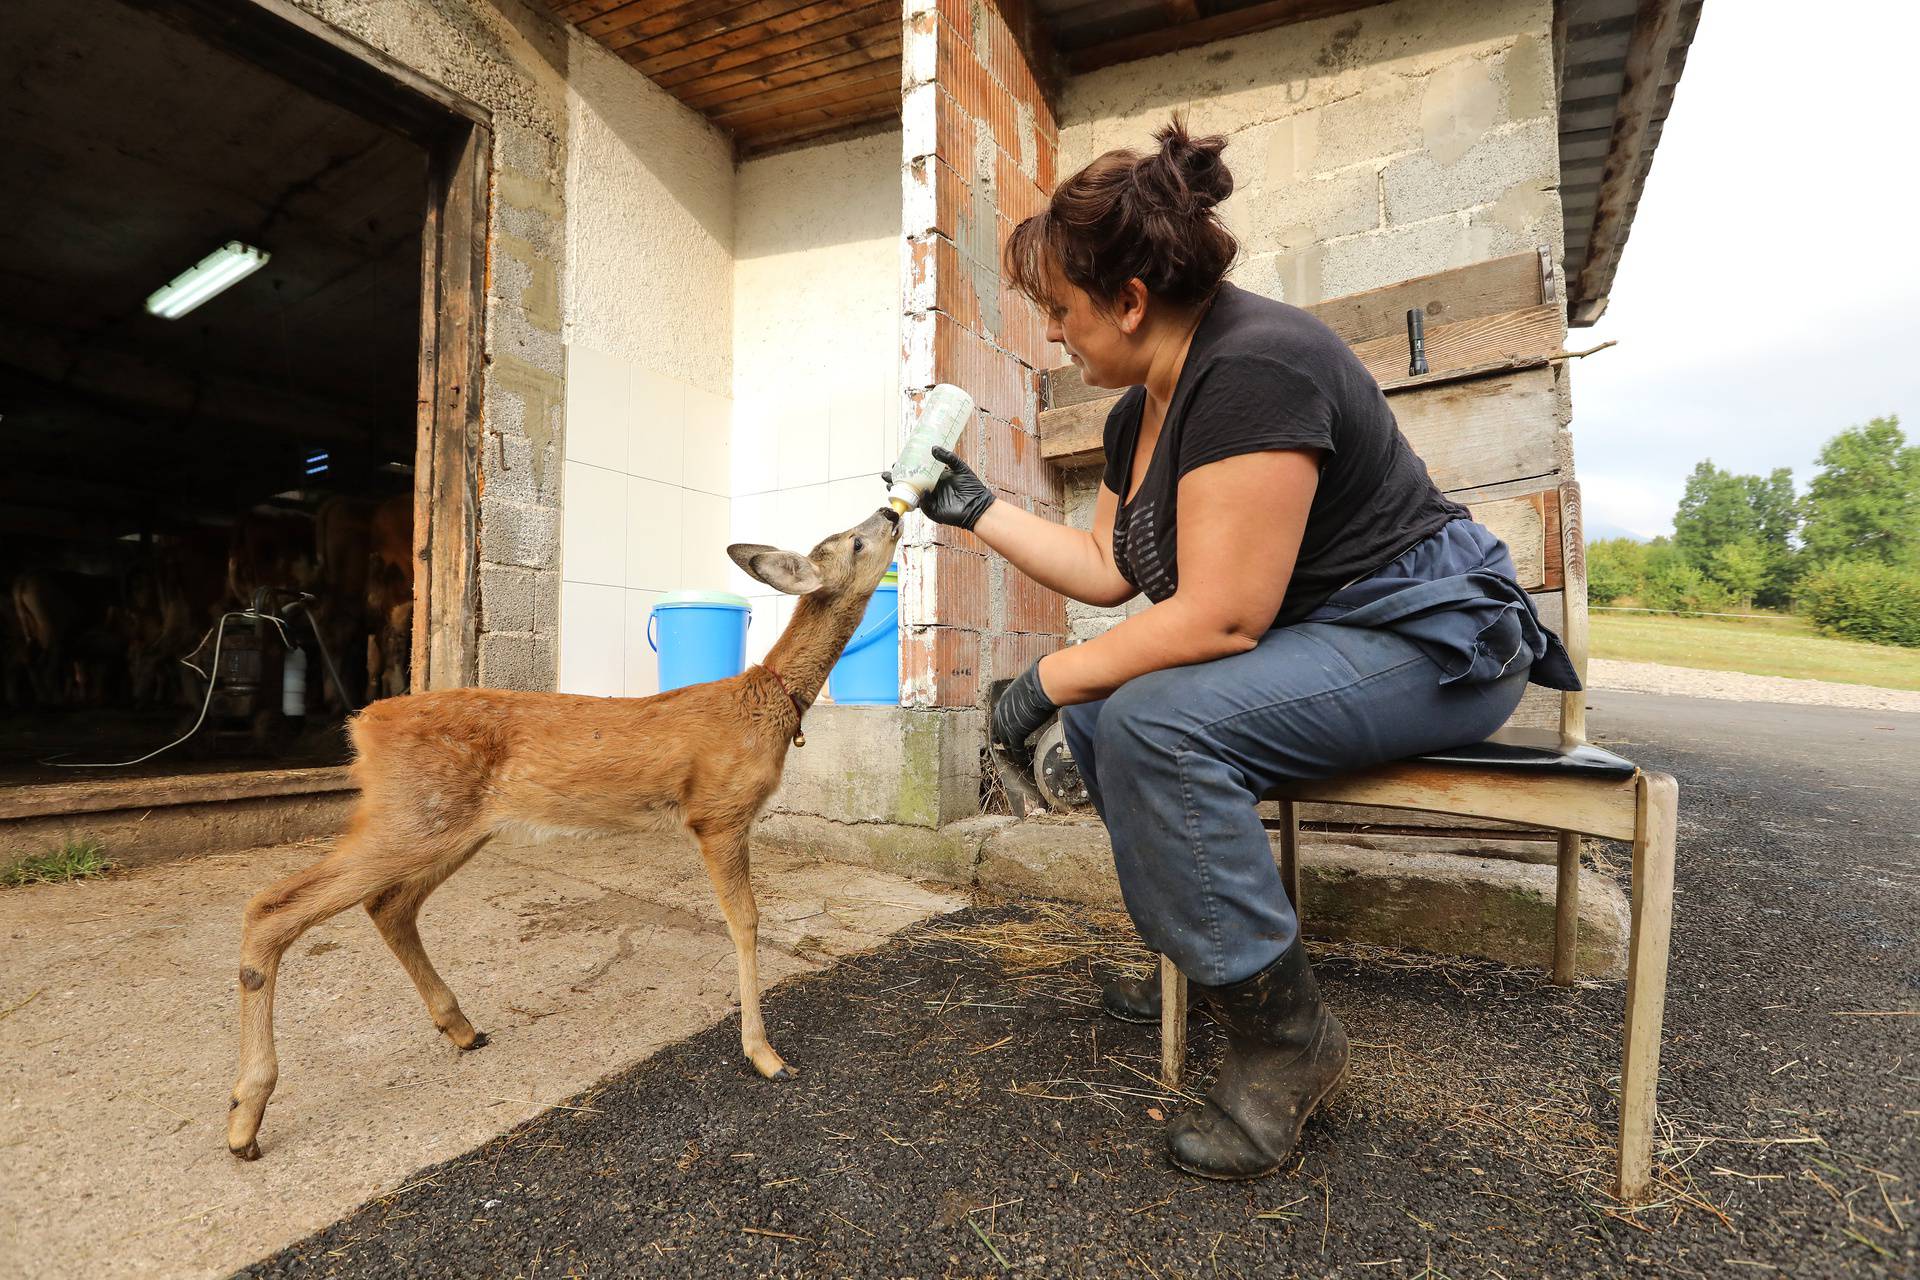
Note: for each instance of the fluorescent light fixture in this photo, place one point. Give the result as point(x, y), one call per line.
point(223, 268)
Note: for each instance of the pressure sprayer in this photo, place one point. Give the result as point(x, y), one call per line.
point(943, 417)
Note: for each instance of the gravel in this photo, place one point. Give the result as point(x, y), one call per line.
point(963, 1110)
point(1736, 686)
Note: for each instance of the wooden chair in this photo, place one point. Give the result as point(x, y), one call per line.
point(1488, 416)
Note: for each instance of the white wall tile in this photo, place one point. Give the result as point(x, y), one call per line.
point(705, 532)
point(799, 517)
point(805, 435)
point(641, 666)
point(848, 502)
point(709, 433)
point(857, 425)
point(597, 408)
point(752, 520)
point(592, 632)
point(653, 535)
point(593, 522)
point(657, 428)
point(755, 446)
point(764, 626)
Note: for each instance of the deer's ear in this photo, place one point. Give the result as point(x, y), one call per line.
point(787, 571)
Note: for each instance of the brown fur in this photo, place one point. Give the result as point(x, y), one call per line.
point(441, 773)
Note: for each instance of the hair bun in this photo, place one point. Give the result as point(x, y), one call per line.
point(1203, 177)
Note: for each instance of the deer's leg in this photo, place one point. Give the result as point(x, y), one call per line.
point(274, 919)
point(395, 913)
point(725, 853)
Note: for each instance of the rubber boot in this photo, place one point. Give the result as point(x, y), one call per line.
point(1286, 1053)
point(1132, 999)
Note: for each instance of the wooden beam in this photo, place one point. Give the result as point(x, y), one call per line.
point(1463, 293)
point(859, 66)
point(1656, 32)
point(786, 105)
point(1471, 433)
point(1536, 798)
point(1222, 26)
point(746, 44)
point(447, 463)
point(1511, 339)
point(776, 54)
point(107, 795)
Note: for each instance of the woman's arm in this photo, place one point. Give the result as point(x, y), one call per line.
point(1240, 524)
point(1077, 564)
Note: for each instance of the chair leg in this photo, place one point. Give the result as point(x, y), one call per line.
point(1173, 1023)
point(1653, 855)
point(1290, 852)
point(1566, 909)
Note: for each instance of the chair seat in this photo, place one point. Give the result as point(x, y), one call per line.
point(1534, 750)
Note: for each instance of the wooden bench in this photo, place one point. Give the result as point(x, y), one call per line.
point(1488, 418)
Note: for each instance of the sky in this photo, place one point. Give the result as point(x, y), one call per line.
point(1769, 293)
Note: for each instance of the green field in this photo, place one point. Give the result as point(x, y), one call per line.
point(1770, 645)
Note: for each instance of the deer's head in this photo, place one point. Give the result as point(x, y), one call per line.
point(846, 564)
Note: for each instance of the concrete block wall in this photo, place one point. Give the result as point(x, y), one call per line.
point(981, 153)
point(1366, 149)
point(513, 61)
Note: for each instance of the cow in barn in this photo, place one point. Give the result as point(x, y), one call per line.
point(343, 536)
point(390, 598)
point(74, 657)
point(174, 599)
point(269, 550)
point(16, 669)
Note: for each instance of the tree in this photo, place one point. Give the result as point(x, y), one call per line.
point(1777, 514)
point(1616, 567)
point(1865, 501)
point(1714, 511)
point(1742, 568)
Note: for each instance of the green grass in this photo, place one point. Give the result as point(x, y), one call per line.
point(74, 860)
point(1770, 645)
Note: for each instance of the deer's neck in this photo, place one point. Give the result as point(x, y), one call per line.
point(813, 641)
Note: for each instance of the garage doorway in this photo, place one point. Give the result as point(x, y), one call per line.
point(301, 445)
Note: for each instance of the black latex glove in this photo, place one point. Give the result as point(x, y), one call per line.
point(961, 497)
point(1022, 709)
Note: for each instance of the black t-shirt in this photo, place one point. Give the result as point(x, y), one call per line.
point(1262, 375)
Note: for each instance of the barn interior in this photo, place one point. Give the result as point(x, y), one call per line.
point(157, 474)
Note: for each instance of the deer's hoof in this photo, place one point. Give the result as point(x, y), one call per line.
point(479, 1041)
point(249, 1152)
point(784, 1073)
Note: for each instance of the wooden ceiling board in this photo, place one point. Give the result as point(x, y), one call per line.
point(768, 71)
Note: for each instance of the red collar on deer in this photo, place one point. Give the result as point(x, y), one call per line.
point(799, 707)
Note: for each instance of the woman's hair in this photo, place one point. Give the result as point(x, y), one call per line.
point(1127, 215)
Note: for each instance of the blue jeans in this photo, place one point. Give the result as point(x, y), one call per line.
point(1176, 760)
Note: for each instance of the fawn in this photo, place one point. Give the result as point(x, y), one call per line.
point(441, 773)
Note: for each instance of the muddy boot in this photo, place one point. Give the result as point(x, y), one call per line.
point(1286, 1052)
point(1132, 999)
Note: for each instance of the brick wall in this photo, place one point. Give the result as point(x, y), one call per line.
point(981, 152)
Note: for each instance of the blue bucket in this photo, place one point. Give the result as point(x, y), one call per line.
point(701, 636)
point(868, 673)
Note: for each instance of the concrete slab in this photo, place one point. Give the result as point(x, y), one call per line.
point(117, 1043)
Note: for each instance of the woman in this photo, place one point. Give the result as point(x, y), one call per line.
point(1318, 606)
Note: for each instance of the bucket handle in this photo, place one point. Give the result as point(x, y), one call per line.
point(652, 617)
point(861, 639)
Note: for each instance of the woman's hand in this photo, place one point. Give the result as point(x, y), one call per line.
point(1021, 710)
point(961, 497)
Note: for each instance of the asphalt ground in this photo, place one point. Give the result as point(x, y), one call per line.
point(963, 1109)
